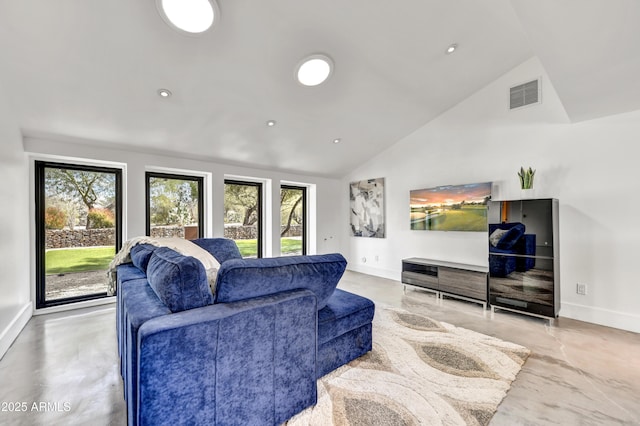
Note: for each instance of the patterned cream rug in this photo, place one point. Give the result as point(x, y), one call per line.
point(420, 372)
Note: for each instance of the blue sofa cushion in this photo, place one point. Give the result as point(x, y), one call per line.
point(179, 281)
point(222, 249)
point(344, 312)
point(141, 254)
point(130, 273)
point(240, 279)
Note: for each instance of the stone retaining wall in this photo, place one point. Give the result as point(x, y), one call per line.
point(167, 231)
point(294, 231)
point(239, 232)
point(64, 238)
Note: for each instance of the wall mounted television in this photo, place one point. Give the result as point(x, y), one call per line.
point(451, 207)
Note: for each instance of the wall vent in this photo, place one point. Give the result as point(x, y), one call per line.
point(524, 94)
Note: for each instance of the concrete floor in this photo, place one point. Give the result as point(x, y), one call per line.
point(63, 368)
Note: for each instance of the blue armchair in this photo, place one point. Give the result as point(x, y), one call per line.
point(506, 241)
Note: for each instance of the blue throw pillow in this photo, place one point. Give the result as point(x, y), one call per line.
point(179, 281)
point(240, 279)
point(141, 254)
point(222, 249)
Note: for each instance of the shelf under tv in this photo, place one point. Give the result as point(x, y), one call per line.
point(451, 279)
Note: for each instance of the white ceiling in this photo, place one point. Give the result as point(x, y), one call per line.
point(90, 70)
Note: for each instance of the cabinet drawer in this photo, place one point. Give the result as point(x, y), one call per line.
point(463, 283)
point(421, 280)
point(420, 268)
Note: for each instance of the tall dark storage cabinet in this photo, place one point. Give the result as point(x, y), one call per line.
point(524, 273)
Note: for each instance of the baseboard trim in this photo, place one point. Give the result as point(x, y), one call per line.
point(11, 332)
point(376, 272)
point(76, 305)
point(606, 317)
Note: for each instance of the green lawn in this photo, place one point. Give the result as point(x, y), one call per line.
point(85, 259)
point(80, 259)
point(249, 248)
point(467, 219)
point(290, 245)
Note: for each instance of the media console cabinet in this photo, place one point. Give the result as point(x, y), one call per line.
point(458, 280)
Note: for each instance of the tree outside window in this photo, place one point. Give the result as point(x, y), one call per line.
point(174, 204)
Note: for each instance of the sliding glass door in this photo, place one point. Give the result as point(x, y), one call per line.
point(293, 220)
point(78, 230)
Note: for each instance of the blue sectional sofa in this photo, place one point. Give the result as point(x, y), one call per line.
point(249, 352)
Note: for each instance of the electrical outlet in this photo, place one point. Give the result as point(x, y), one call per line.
point(581, 289)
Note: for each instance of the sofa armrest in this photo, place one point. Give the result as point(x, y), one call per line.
point(246, 362)
point(527, 245)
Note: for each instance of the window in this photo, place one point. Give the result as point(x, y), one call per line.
point(243, 216)
point(78, 230)
point(293, 220)
point(174, 206)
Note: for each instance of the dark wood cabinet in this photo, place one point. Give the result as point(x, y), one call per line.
point(524, 264)
point(467, 282)
point(463, 282)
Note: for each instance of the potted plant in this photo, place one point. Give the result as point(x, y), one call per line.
point(526, 177)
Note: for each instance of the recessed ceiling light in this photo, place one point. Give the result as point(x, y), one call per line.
point(337, 140)
point(271, 123)
point(452, 48)
point(191, 16)
point(314, 70)
point(164, 93)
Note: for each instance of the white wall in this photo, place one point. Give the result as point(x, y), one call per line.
point(588, 166)
point(15, 307)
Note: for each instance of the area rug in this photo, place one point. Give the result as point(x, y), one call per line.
point(420, 372)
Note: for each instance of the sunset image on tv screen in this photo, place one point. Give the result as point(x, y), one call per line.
point(451, 207)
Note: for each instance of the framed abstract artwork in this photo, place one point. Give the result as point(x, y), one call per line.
point(366, 199)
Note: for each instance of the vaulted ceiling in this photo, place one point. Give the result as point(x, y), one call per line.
point(90, 70)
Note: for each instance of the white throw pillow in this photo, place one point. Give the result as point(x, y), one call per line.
point(496, 235)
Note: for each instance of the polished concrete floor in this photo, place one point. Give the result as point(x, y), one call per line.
point(63, 368)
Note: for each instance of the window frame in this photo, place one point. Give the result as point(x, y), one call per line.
point(40, 232)
point(259, 186)
point(174, 176)
point(305, 218)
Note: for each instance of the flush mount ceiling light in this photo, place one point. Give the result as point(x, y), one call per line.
point(164, 93)
point(336, 140)
point(271, 123)
point(190, 16)
point(452, 48)
point(314, 70)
